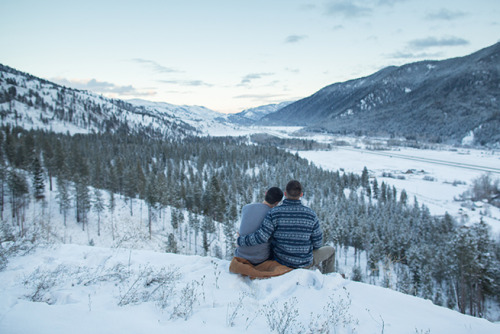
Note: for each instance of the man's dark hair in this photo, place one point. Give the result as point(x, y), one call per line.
point(274, 195)
point(294, 189)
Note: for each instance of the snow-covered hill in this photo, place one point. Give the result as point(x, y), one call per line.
point(82, 289)
point(35, 103)
point(204, 120)
point(251, 115)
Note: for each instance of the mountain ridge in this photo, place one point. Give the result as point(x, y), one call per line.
point(251, 115)
point(442, 101)
point(36, 103)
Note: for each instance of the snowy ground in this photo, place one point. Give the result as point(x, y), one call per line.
point(434, 184)
point(82, 289)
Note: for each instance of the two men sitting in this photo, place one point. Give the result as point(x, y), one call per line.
point(289, 234)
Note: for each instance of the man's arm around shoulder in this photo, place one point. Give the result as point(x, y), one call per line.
point(262, 235)
point(317, 235)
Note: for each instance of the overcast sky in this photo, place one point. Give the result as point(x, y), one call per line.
point(232, 55)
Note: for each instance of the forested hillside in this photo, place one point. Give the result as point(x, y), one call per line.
point(407, 249)
point(34, 103)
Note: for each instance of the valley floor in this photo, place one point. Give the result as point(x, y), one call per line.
point(435, 178)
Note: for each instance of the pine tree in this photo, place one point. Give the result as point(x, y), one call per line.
point(375, 188)
point(3, 180)
point(365, 178)
point(383, 192)
point(152, 200)
point(194, 223)
point(229, 234)
point(403, 198)
point(207, 229)
point(98, 206)
point(171, 246)
point(38, 180)
point(18, 189)
point(63, 197)
point(487, 268)
point(174, 219)
point(130, 184)
point(111, 208)
point(49, 161)
point(82, 201)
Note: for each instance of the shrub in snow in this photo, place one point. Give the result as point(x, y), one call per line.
point(356, 274)
point(335, 314)
point(233, 309)
point(41, 282)
point(150, 285)
point(189, 296)
point(283, 320)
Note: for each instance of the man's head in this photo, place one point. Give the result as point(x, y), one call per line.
point(293, 190)
point(274, 195)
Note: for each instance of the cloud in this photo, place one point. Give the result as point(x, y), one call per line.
point(102, 87)
point(347, 9)
point(191, 83)
point(155, 66)
point(262, 98)
point(356, 9)
point(390, 2)
point(430, 42)
point(307, 7)
point(247, 79)
point(445, 14)
point(415, 55)
point(295, 38)
point(292, 70)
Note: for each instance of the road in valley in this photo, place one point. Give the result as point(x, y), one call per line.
point(468, 166)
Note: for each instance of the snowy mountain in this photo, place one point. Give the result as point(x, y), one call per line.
point(35, 103)
point(442, 101)
point(250, 116)
point(204, 120)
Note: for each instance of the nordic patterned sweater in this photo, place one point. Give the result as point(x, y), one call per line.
point(294, 231)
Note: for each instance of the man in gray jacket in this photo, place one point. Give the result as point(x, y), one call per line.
point(252, 216)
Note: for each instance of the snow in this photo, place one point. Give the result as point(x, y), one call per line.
point(75, 305)
point(432, 180)
point(469, 139)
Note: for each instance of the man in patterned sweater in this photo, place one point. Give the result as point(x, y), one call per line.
point(295, 234)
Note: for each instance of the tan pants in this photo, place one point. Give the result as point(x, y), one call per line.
point(324, 259)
